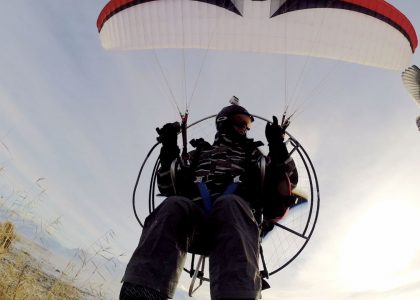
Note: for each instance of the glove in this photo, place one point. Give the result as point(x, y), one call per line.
point(168, 134)
point(275, 138)
point(200, 143)
point(275, 132)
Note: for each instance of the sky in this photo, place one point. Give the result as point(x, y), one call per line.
point(76, 121)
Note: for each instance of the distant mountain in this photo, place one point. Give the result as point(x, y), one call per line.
point(33, 231)
point(88, 269)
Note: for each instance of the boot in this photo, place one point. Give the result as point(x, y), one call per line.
point(130, 291)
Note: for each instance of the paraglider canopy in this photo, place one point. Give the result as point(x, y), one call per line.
point(370, 32)
point(411, 80)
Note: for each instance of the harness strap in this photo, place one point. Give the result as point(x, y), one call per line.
point(205, 194)
point(232, 187)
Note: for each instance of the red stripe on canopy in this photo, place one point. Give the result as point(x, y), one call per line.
point(113, 7)
point(387, 10)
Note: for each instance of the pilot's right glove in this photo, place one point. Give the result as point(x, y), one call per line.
point(168, 136)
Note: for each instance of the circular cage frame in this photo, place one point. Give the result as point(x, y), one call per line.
point(314, 197)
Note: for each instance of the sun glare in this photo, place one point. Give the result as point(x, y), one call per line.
point(379, 245)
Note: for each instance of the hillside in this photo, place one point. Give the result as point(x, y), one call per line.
point(36, 266)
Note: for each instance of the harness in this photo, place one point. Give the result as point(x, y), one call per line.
point(199, 145)
point(205, 194)
point(207, 205)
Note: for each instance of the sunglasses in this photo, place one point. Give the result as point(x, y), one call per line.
point(241, 121)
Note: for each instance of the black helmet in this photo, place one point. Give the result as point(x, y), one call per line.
point(228, 111)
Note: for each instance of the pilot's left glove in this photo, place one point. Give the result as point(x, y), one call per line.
point(275, 138)
point(274, 132)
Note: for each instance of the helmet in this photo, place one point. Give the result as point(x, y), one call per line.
point(228, 111)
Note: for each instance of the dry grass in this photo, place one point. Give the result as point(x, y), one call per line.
point(7, 235)
point(90, 273)
point(22, 278)
point(26, 275)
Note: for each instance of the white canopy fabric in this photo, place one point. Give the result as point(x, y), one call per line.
point(354, 31)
